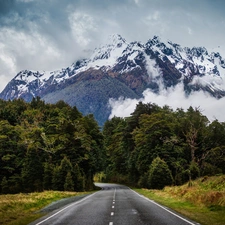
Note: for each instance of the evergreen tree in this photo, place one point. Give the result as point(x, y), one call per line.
point(69, 184)
point(79, 182)
point(65, 167)
point(60, 174)
point(32, 172)
point(149, 139)
point(159, 174)
point(47, 177)
point(57, 179)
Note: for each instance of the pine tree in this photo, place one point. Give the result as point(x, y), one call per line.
point(47, 178)
point(78, 179)
point(32, 172)
point(69, 184)
point(60, 174)
point(66, 166)
point(159, 174)
point(57, 179)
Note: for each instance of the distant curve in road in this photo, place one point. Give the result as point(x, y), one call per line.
point(114, 205)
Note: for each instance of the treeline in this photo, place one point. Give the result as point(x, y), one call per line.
point(47, 146)
point(54, 147)
point(157, 146)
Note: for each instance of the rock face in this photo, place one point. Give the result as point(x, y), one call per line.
point(121, 69)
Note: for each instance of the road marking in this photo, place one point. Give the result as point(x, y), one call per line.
point(142, 196)
point(114, 195)
point(111, 223)
point(113, 207)
point(112, 213)
point(66, 208)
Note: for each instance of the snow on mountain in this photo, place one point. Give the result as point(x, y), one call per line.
point(209, 68)
point(159, 60)
point(108, 54)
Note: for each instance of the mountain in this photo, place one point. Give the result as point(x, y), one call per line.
point(122, 69)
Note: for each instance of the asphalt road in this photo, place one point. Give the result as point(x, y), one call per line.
point(113, 205)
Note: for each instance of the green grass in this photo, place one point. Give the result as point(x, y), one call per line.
point(203, 201)
point(20, 209)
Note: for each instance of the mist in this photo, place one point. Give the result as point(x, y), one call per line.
point(173, 97)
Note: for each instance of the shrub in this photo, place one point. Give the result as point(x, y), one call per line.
point(159, 174)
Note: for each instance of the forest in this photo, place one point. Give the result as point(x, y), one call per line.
point(157, 146)
point(54, 147)
point(47, 147)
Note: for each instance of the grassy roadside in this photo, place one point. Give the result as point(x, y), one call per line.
point(203, 201)
point(19, 209)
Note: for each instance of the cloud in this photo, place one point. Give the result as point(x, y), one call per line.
point(153, 17)
point(47, 35)
point(26, 1)
point(82, 25)
point(137, 2)
point(190, 31)
point(210, 80)
point(152, 68)
point(175, 98)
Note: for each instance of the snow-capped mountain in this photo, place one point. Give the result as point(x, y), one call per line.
point(195, 65)
point(119, 68)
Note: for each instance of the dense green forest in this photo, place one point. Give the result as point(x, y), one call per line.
point(157, 146)
point(54, 147)
point(47, 146)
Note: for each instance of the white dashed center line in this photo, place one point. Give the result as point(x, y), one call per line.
point(114, 196)
point(114, 200)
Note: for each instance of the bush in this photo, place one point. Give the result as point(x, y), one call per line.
point(159, 174)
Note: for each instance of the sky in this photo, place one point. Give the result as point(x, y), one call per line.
point(52, 34)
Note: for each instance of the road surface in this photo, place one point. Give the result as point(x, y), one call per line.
point(113, 205)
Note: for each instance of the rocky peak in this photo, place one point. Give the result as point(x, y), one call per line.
point(138, 66)
point(116, 40)
point(107, 55)
point(199, 51)
point(154, 41)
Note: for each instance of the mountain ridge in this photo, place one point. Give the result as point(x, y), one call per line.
point(119, 68)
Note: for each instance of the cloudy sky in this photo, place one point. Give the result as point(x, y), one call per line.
point(51, 34)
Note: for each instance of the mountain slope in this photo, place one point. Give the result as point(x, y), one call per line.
point(119, 68)
point(91, 93)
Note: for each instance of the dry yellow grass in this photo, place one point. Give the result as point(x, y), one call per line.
point(203, 201)
point(20, 208)
point(207, 191)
